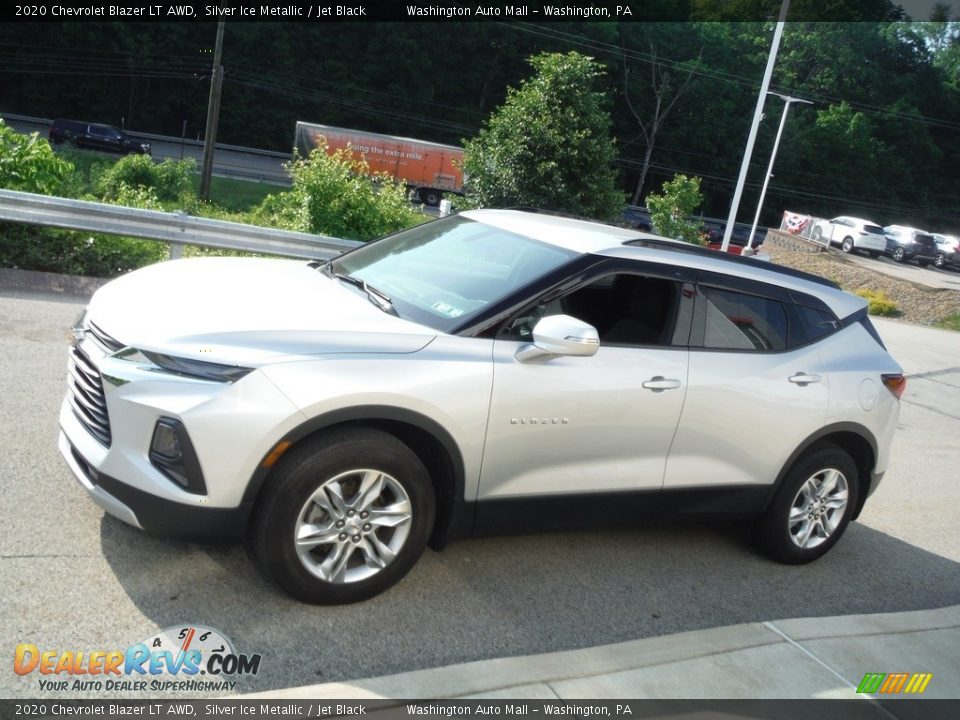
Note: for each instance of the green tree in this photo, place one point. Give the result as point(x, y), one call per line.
point(334, 194)
point(549, 144)
point(28, 163)
point(670, 209)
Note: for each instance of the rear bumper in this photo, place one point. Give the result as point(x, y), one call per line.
point(152, 513)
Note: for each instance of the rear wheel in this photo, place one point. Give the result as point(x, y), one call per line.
point(847, 245)
point(940, 260)
point(430, 196)
point(812, 508)
point(344, 517)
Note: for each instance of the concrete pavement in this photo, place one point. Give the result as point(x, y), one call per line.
point(824, 658)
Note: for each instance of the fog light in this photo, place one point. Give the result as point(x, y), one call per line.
point(172, 453)
point(165, 441)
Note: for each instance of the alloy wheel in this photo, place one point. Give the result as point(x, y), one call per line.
point(818, 508)
point(353, 526)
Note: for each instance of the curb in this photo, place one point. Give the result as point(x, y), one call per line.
point(518, 676)
point(46, 282)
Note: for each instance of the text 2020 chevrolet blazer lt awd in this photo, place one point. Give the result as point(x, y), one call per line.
point(493, 370)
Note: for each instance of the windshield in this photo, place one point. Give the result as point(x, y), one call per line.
point(442, 272)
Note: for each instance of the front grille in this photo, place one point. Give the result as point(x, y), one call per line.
point(86, 396)
point(109, 344)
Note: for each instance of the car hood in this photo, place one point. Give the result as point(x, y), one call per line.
point(246, 311)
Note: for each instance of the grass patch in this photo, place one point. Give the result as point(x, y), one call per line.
point(238, 195)
point(951, 322)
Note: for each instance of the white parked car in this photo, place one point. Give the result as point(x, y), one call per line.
point(478, 374)
point(852, 234)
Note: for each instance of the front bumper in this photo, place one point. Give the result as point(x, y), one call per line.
point(231, 426)
point(152, 513)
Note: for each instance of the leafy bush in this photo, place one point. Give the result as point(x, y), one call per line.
point(549, 144)
point(335, 195)
point(170, 179)
point(669, 210)
point(879, 303)
point(28, 163)
point(74, 253)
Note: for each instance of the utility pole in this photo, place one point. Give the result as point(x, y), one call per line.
point(773, 156)
point(757, 116)
point(213, 115)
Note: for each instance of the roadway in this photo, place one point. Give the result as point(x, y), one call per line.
point(76, 579)
point(228, 161)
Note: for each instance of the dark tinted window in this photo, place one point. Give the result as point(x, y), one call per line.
point(625, 309)
point(873, 229)
point(736, 321)
point(817, 323)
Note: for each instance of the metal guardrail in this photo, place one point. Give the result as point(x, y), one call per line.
point(176, 228)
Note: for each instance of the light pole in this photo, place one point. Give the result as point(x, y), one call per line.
point(773, 156)
point(757, 114)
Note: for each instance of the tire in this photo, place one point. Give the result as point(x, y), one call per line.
point(899, 255)
point(781, 538)
point(328, 483)
point(817, 233)
point(430, 196)
point(923, 263)
point(873, 253)
point(940, 261)
point(847, 245)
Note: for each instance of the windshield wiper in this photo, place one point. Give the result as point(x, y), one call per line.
point(378, 298)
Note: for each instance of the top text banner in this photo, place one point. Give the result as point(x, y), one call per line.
point(306, 11)
point(536, 11)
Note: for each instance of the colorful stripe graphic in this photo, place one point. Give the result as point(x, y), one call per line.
point(892, 683)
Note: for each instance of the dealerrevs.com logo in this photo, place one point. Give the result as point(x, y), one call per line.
point(186, 658)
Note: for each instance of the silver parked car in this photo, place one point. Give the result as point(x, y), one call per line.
point(478, 374)
point(909, 243)
point(948, 250)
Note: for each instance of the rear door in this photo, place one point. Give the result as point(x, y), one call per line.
point(753, 394)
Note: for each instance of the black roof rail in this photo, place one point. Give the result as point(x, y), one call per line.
point(700, 251)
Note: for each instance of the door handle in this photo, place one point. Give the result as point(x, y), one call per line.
point(659, 383)
point(802, 379)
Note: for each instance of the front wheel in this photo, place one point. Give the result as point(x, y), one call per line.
point(940, 260)
point(899, 255)
point(344, 517)
point(812, 508)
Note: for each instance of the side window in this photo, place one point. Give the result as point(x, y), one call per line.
point(626, 309)
point(816, 323)
point(737, 321)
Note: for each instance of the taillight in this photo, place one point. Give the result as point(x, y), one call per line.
point(895, 383)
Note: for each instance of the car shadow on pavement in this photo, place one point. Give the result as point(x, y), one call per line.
point(509, 596)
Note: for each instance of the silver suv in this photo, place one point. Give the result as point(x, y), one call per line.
point(478, 374)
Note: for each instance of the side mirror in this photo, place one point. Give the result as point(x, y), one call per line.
point(560, 335)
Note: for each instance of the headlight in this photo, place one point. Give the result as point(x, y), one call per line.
point(196, 368)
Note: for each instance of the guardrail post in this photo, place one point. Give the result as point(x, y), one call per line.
point(176, 251)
